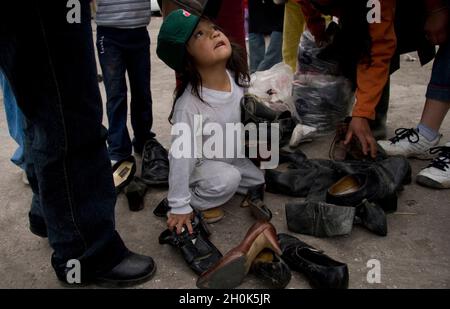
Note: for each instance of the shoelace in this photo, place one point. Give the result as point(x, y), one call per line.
point(442, 161)
point(402, 133)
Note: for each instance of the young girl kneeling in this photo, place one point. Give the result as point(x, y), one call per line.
point(213, 73)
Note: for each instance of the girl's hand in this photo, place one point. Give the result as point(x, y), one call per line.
point(436, 27)
point(177, 221)
point(360, 127)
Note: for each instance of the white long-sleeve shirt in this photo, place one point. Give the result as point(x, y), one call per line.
point(218, 108)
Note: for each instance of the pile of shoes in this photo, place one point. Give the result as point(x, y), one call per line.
point(339, 193)
point(271, 258)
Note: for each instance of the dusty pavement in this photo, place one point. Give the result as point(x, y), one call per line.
point(415, 254)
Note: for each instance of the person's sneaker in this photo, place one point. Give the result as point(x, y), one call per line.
point(155, 164)
point(212, 215)
point(437, 174)
point(409, 143)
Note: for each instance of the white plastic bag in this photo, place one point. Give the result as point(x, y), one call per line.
point(274, 86)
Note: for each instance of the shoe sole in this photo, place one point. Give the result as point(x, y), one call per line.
point(428, 182)
point(124, 283)
point(228, 276)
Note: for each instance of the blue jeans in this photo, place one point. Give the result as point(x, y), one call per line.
point(121, 51)
point(260, 58)
point(439, 86)
point(51, 67)
point(15, 120)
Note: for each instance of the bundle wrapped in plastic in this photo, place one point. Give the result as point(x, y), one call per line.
point(322, 101)
point(322, 97)
point(310, 60)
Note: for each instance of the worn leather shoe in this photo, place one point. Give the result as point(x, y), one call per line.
point(135, 193)
point(162, 208)
point(197, 250)
point(271, 269)
point(352, 189)
point(133, 269)
point(321, 270)
point(231, 270)
point(123, 172)
point(255, 200)
point(155, 163)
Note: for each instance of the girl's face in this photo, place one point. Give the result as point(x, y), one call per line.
point(208, 45)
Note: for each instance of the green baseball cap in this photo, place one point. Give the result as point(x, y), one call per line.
point(175, 31)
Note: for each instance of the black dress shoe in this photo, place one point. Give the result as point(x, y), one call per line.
point(270, 268)
point(162, 209)
point(255, 200)
point(352, 189)
point(133, 269)
point(321, 270)
point(155, 163)
point(37, 225)
point(135, 193)
point(197, 250)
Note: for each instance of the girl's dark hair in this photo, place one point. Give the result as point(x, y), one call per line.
point(237, 64)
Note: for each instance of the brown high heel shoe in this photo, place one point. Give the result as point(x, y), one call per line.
point(231, 270)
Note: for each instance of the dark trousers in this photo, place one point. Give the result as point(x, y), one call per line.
point(51, 67)
point(122, 51)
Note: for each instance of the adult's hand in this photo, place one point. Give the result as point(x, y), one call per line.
point(437, 25)
point(176, 221)
point(360, 127)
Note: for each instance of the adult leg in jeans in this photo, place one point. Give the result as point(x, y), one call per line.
point(111, 55)
point(137, 59)
point(66, 141)
point(273, 53)
point(257, 50)
point(15, 120)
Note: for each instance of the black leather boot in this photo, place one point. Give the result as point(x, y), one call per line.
point(255, 200)
point(319, 218)
point(321, 270)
